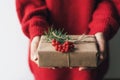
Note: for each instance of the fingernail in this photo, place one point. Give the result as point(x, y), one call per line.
point(36, 59)
point(101, 57)
point(82, 68)
point(53, 68)
point(70, 67)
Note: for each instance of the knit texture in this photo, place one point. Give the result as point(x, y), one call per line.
point(76, 17)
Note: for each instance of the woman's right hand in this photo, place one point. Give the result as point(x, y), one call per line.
point(34, 46)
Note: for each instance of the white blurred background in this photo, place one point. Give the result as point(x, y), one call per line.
point(14, 47)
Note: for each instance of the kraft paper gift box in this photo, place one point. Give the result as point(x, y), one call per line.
point(84, 54)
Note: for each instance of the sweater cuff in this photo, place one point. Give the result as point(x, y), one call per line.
point(37, 28)
point(35, 31)
point(102, 26)
point(109, 27)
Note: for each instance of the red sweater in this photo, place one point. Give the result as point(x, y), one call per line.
point(75, 16)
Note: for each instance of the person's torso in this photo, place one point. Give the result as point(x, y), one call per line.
point(73, 15)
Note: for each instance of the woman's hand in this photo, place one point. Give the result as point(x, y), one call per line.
point(102, 47)
point(34, 46)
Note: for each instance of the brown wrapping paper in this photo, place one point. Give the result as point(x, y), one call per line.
point(85, 53)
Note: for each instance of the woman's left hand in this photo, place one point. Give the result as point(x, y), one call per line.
point(102, 47)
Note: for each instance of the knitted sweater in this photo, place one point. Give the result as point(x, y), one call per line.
point(76, 17)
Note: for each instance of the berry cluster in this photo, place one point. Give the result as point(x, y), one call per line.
point(62, 47)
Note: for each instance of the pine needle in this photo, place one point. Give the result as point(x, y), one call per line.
point(59, 35)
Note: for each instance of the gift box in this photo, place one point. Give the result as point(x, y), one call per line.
point(85, 53)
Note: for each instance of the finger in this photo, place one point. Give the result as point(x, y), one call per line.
point(101, 41)
point(82, 68)
point(101, 56)
point(101, 44)
point(34, 46)
point(70, 67)
point(35, 57)
point(33, 50)
point(53, 68)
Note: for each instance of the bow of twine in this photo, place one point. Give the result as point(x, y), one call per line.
point(80, 38)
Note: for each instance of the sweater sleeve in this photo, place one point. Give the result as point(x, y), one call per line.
point(105, 19)
point(117, 5)
point(32, 15)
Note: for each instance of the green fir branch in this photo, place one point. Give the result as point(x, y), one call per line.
point(59, 35)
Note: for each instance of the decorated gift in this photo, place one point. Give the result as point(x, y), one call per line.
point(60, 50)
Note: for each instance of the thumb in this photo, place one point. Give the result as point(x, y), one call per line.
point(101, 44)
point(34, 46)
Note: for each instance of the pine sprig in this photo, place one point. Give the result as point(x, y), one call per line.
point(59, 35)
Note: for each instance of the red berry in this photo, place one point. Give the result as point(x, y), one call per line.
point(66, 42)
point(56, 47)
point(53, 43)
point(66, 49)
point(62, 50)
point(53, 40)
point(60, 46)
point(67, 46)
point(72, 46)
point(59, 49)
point(63, 47)
point(63, 44)
point(70, 43)
point(57, 43)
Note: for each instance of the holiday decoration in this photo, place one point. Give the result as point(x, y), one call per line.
point(57, 49)
point(59, 40)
